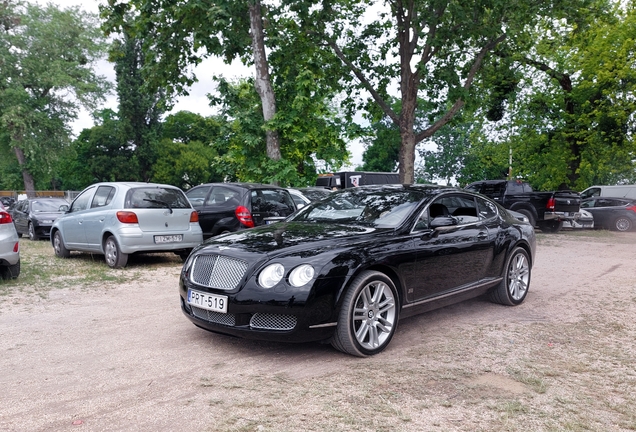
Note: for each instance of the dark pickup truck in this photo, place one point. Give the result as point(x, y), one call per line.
point(547, 210)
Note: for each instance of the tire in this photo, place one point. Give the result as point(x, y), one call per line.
point(113, 254)
point(32, 235)
point(551, 226)
point(58, 246)
point(10, 272)
point(368, 316)
point(514, 287)
point(528, 214)
point(622, 224)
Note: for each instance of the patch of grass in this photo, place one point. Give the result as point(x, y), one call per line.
point(41, 271)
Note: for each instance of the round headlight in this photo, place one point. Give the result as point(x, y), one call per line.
point(271, 275)
point(301, 275)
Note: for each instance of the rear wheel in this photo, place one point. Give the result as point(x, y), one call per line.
point(58, 246)
point(369, 315)
point(10, 272)
point(516, 280)
point(32, 234)
point(622, 224)
point(113, 254)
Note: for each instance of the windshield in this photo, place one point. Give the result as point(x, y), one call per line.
point(385, 208)
point(47, 205)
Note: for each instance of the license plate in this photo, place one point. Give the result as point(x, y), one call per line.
point(207, 301)
point(169, 238)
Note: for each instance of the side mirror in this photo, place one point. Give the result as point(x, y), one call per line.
point(443, 221)
point(63, 208)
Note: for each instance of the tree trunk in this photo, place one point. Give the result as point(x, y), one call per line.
point(29, 184)
point(263, 81)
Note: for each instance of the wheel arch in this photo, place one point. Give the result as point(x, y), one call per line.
point(388, 271)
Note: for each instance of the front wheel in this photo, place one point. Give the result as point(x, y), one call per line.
point(368, 316)
point(513, 288)
point(113, 254)
point(58, 246)
point(622, 224)
point(32, 234)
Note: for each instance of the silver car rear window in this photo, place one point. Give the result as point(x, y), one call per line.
point(154, 197)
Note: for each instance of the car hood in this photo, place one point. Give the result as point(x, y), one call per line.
point(46, 215)
point(290, 236)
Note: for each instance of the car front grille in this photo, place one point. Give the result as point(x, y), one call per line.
point(214, 317)
point(217, 271)
point(259, 321)
point(268, 321)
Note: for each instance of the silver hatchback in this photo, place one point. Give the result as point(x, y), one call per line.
point(117, 219)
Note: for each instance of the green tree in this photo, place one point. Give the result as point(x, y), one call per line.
point(294, 83)
point(46, 58)
point(100, 153)
point(571, 120)
point(140, 109)
point(428, 49)
point(190, 150)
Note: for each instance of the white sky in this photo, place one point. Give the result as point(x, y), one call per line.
point(196, 102)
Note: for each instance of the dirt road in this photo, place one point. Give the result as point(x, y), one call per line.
point(121, 357)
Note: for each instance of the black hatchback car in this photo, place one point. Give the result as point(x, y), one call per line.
point(618, 214)
point(229, 207)
point(34, 216)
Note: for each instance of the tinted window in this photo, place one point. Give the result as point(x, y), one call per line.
point(272, 201)
point(223, 198)
point(197, 195)
point(156, 197)
point(515, 187)
point(382, 209)
point(486, 208)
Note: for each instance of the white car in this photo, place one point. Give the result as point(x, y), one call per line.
point(9, 247)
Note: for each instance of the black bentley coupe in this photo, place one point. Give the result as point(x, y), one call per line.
point(347, 268)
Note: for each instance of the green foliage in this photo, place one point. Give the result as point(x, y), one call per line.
point(47, 57)
point(100, 153)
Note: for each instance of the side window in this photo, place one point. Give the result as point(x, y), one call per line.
point(197, 195)
point(486, 208)
point(222, 198)
point(81, 202)
point(103, 196)
point(273, 201)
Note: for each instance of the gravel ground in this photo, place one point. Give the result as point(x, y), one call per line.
point(114, 353)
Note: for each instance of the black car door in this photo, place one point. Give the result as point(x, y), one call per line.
point(454, 256)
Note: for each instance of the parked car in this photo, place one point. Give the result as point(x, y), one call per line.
point(618, 214)
point(304, 196)
point(9, 247)
point(229, 207)
point(121, 218)
point(35, 216)
point(345, 269)
point(584, 220)
point(617, 191)
point(7, 202)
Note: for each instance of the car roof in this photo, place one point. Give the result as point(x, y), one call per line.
point(245, 185)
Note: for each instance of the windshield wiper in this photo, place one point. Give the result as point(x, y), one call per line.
point(159, 202)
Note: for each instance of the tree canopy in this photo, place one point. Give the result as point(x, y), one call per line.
point(47, 58)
